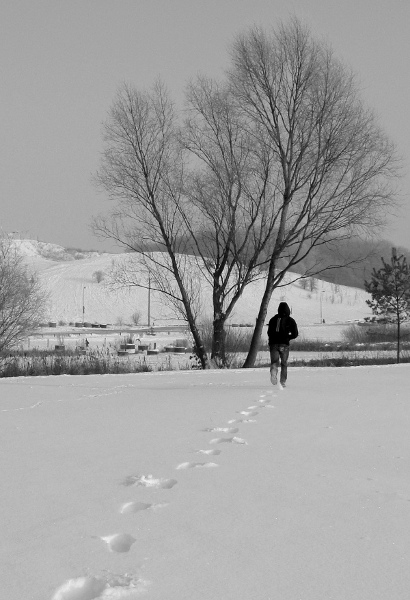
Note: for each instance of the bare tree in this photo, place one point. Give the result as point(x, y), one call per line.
point(98, 276)
point(136, 317)
point(201, 197)
point(142, 169)
point(228, 191)
point(333, 163)
point(22, 300)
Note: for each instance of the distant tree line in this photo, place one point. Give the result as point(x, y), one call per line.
point(354, 259)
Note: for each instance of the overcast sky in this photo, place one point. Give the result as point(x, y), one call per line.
point(62, 62)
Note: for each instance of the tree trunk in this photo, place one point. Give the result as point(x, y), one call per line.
point(218, 354)
point(199, 346)
point(199, 349)
point(398, 339)
point(267, 295)
point(260, 320)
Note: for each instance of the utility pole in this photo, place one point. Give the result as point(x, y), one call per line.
point(83, 308)
point(149, 300)
point(321, 306)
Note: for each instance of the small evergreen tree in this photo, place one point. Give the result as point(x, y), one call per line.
point(390, 291)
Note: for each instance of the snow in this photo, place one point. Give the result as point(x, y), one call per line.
point(130, 486)
point(69, 279)
point(53, 252)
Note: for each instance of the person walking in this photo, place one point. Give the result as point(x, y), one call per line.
point(281, 329)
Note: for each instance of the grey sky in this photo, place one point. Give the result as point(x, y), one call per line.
point(62, 62)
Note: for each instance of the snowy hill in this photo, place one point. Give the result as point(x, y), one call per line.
point(54, 252)
point(70, 278)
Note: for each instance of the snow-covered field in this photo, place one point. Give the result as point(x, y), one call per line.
point(206, 485)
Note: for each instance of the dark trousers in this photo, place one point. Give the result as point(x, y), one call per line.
point(279, 352)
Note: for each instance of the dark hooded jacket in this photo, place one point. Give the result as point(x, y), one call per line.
point(282, 328)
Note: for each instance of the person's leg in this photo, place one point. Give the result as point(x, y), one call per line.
point(274, 363)
point(284, 356)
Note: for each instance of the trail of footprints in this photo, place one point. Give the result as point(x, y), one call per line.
point(121, 586)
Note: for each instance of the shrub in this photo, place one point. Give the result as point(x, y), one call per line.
point(345, 360)
point(355, 335)
point(384, 333)
point(237, 339)
point(136, 317)
point(98, 276)
point(41, 363)
point(312, 284)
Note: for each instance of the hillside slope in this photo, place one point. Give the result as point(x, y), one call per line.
point(70, 280)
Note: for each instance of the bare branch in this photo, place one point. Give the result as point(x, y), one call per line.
point(22, 299)
point(334, 167)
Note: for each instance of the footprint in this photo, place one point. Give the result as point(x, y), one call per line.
point(133, 507)
point(213, 452)
point(195, 465)
point(149, 481)
point(119, 542)
point(223, 429)
point(232, 440)
point(83, 588)
point(242, 421)
point(125, 586)
point(117, 587)
point(247, 413)
point(129, 507)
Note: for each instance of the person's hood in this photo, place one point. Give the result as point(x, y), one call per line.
point(283, 309)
